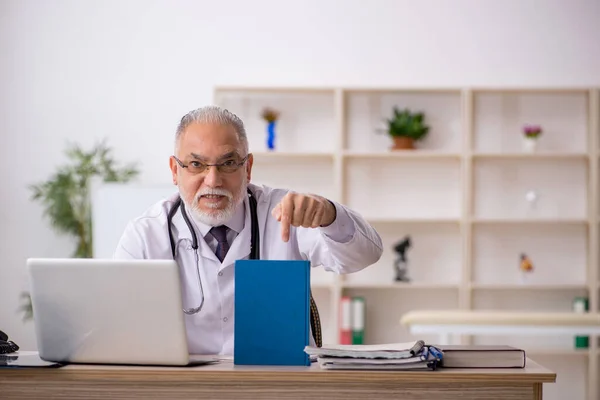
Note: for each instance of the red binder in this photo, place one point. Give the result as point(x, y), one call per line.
point(345, 325)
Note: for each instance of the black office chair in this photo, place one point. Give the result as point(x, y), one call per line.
point(315, 322)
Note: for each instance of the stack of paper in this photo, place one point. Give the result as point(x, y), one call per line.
point(404, 356)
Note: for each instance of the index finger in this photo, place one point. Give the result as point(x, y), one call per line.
point(287, 210)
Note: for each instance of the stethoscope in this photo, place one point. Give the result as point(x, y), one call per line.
point(254, 241)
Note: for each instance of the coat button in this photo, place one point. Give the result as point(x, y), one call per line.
point(221, 273)
point(225, 319)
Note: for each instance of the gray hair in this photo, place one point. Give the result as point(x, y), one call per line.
point(216, 115)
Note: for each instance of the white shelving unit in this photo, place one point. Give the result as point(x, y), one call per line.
point(460, 196)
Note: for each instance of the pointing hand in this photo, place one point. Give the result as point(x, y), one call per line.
point(306, 210)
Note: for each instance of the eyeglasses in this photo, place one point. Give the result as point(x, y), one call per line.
point(227, 167)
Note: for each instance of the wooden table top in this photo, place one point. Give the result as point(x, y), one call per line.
point(226, 371)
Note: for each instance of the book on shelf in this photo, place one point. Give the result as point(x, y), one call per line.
point(358, 320)
point(345, 328)
point(352, 320)
point(416, 355)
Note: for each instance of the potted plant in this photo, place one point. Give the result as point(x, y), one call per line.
point(406, 128)
point(66, 197)
point(531, 134)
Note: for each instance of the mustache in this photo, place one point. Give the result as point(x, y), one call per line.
point(214, 191)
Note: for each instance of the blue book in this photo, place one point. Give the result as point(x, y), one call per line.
point(272, 312)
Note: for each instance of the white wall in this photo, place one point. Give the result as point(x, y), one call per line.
point(127, 71)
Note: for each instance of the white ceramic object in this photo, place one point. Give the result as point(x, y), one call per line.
point(529, 145)
point(531, 196)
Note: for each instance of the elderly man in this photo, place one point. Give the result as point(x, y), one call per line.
point(208, 225)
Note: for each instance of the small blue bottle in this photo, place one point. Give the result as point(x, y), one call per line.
point(271, 135)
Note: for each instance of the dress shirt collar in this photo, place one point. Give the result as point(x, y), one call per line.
point(236, 223)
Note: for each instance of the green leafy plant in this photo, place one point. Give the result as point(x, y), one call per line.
point(26, 308)
point(66, 196)
point(405, 123)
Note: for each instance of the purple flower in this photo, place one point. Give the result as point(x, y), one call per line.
point(532, 131)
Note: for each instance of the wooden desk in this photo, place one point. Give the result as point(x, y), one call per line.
point(226, 381)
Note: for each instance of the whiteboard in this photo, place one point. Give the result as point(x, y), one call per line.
point(116, 204)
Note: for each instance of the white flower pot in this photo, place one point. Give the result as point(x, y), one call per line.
point(529, 145)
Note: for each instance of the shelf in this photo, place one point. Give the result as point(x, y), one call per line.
point(528, 221)
point(383, 220)
point(524, 156)
point(260, 155)
point(400, 286)
point(412, 154)
point(530, 90)
point(461, 196)
point(527, 286)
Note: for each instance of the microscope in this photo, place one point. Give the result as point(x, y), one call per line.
point(401, 263)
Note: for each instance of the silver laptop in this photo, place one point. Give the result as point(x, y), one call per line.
point(105, 311)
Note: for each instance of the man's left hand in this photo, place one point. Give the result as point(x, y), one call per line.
point(307, 210)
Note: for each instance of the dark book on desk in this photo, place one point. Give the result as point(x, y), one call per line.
point(482, 356)
point(272, 312)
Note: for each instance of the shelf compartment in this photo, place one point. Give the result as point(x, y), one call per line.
point(384, 308)
point(497, 250)
point(501, 188)
point(407, 188)
point(367, 111)
point(434, 257)
point(307, 117)
point(316, 176)
point(500, 116)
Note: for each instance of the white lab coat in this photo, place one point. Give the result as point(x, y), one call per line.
point(211, 331)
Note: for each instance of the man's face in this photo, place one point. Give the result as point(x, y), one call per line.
point(213, 194)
